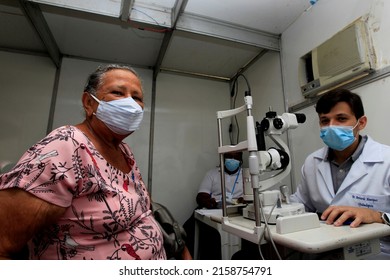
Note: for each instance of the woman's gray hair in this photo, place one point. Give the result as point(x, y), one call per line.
point(95, 79)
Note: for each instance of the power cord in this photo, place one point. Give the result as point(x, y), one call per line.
point(233, 95)
point(268, 231)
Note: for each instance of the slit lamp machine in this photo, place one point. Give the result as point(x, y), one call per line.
point(267, 205)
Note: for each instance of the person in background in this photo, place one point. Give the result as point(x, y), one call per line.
point(78, 193)
point(350, 178)
point(210, 194)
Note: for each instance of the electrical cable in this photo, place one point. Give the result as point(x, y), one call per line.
point(235, 117)
point(246, 80)
point(238, 129)
point(268, 230)
point(164, 30)
point(233, 95)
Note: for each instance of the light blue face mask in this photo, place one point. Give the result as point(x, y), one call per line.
point(121, 116)
point(338, 137)
point(232, 164)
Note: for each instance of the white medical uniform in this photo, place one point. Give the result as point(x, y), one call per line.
point(367, 184)
point(211, 184)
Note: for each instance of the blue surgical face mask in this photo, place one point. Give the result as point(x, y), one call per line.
point(338, 137)
point(121, 116)
point(232, 164)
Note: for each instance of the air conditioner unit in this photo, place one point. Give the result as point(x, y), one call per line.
point(342, 59)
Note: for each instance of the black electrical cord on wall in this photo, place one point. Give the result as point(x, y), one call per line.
point(233, 95)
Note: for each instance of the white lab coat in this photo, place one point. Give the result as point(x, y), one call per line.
point(366, 185)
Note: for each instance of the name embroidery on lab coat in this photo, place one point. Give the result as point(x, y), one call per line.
point(369, 201)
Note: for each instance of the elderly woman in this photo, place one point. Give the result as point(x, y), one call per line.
point(78, 193)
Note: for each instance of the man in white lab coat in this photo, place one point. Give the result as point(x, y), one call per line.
point(349, 180)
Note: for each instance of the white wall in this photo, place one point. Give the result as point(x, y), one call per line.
point(316, 25)
point(26, 89)
point(185, 143)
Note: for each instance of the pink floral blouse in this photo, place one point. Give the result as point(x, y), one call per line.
point(108, 212)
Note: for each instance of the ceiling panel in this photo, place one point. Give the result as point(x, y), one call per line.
point(16, 33)
point(193, 53)
point(272, 16)
point(169, 4)
point(101, 7)
point(89, 38)
point(204, 37)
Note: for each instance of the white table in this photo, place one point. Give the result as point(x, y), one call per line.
point(311, 241)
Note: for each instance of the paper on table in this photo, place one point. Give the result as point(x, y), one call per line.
point(210, 212)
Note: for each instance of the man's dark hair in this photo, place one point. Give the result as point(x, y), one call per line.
point(331, 98)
